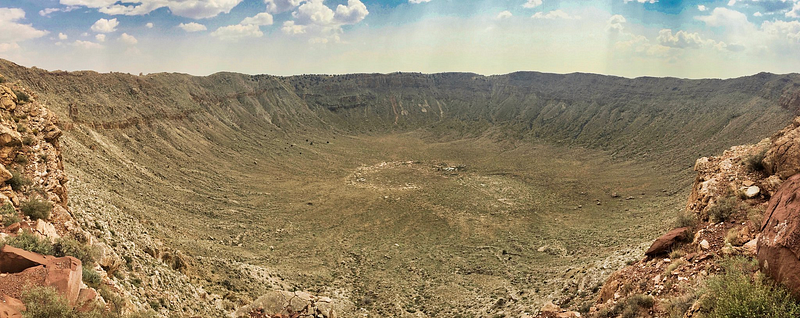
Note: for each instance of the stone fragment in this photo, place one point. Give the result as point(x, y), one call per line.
point(665, 243)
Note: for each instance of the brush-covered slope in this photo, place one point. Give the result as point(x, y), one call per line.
point(403, 194)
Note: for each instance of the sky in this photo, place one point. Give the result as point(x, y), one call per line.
point(631, 38)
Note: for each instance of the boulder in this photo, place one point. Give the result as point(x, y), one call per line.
point(783, 157)
point(664, 243)
point(290, 303)
point(550, 310)
point(779, 244)
point(9, 137)
point(11, 307)
point(22, 268)
point(5, 175)
point(751, 192)
point(45, 230)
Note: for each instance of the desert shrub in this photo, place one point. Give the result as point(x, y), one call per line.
point(21, 159)
point(29, 242)
point(18, 181)
point(637, 303)
point(741, 291)
point(755, 162)
point(686, 219)
point(28, 140)
point(22, 97)
point(71, 247)
point(36, 208)
point(91, 277)
point(673, 266)
point(676, 254)
point(756, 216)
point(45, 302)
point(723, 210)
point(678, 306)
point(10, 219)
point(7, 209)
point(732, 237)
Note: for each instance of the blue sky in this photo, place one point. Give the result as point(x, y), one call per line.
point(693, 38)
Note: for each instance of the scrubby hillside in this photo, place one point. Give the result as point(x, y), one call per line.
point(393, 195)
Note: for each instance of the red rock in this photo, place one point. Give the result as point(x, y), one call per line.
point(27, 268)
point(779, 245)
point(11, 307)
point(664, 243)
point(86, 299)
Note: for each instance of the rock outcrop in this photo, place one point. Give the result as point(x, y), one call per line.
point(779, 245)
point(783, 157)
point(289, 304)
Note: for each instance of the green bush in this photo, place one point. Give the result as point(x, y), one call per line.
point(686, 219)
point(18, 181)
point(723, 210)
point(91, 277)
point(678, 306)
point(742, 291)
point(637, 303)
point(22, 97)
point(28, 140)
point(755, 162)
point(45, 302)
point(36, 209)
point(10, 219)
point(70, 247)
point(29, 242)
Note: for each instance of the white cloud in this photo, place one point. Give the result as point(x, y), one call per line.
point(278, 6)
point(237, 31)
point(314, 18)
point(418, 1)
point(681, 39)
point(795, 12)
point(62, 36)
point(504, 15)
point(532, 3)
point(354, 12)
point(616, 23)
point(262, 18)
point(724, 17)
point(555, 14)
point(149, 25)
point(192, 27)
point(758, 14)
point(642, 1)
point(731, 2)
point(702, 7)
point(128, 39)
point(787, 30)
point(100, 37)
point(105, 26)
point(46, 12)
point(87, 45)
point(13, 31)
point(195, 9)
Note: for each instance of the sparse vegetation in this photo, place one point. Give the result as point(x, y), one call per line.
point(46, 302)
point(30, 242)
point(18, 181)
point(21, 159)
point(755, 162)
point(9, 214)
point(673, 266)
point(742, 291)
point(22, 97)
point(686, 219)
point(70, 247)
point(678, 306)
point(28, 140)
point(91, 277)
point(36, 209)
point(722, 210)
